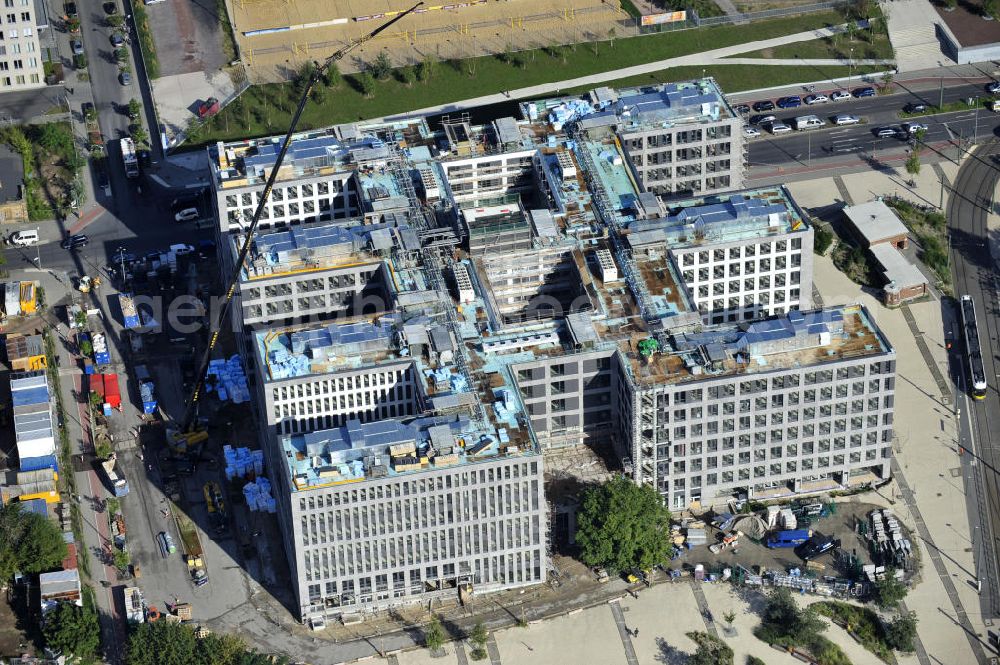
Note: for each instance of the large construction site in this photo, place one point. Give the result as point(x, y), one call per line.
point(275, 37)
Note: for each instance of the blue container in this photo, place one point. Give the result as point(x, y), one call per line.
point(789, 538)
point(35, 506)
point(103, 358)
point(149, 407)
point(36, 463)
point(132, 321)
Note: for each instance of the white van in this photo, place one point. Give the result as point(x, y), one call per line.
point(24, 238)
point(807, 122)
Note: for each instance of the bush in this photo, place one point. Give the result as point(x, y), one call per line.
point(822, 239)
point(901, 632)
point(381, 68)
point(366, 83)
point(711, 650)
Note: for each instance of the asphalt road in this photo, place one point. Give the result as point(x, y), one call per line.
point(812, 145)
point(975, 275)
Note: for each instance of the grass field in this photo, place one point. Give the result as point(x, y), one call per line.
point(829, 47)
point(266, 109)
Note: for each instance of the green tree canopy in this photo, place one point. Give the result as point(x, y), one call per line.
point(889, 591)
point(434, 635)
point(783, 618)
point(623, 525)
point(711, 650)
point(901, 631)
point(29, 542)
point(73, 630)
point(164, 643)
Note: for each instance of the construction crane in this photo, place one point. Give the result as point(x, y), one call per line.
point(188, 435)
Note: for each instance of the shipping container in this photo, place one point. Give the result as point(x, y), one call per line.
point(790, 538)
point(112, 394)
point(35, 506)
point(28, 297)
point(12, 299)
point(148, 398)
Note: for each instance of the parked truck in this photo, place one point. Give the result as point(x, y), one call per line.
point(135, 606)
point(129, 159)
point(130, 316)
point(193, 553)
point(116, 479)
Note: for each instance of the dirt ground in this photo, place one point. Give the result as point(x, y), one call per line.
point(275, 36)
point(14, 640)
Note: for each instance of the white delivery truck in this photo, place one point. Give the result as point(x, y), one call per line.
point(807, 122)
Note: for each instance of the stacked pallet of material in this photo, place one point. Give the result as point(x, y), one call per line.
point(230, 380)
point(242, 462)
point(258, 496)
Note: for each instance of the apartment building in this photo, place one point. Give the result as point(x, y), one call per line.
point(743, 256)
point(680, 138)
point(786, 405)
point(21, 66)
point(385, 512)
point(483, 163)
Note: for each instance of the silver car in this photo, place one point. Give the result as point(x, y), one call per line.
point(846, 119)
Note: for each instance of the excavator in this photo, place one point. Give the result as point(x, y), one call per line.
point(186, 437)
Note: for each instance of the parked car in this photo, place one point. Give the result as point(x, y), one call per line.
point(914, 127)
point(846, 119)
point(181, 249)
point(915, 107)
point(125, 78)
point(816, 546)
point(762, 119)
point(816, 99)
point(751, 131)
point(186, 215)
point(993, 87)
point(790, 102)
point(778, 127)
point(71, 11)
point(887, 131)
point(840, 95)
point(867, 91)
point(117, 40)
point(763, 105)
point(110, 8)
point(77, 46)
point(24, 238)
point(742, 109)
point(74, 242)
point(167, 545)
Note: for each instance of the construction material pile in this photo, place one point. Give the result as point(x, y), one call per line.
point(242, 462)
point(230, 382)
point(258, 496)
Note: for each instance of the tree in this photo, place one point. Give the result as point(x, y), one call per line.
point(332, 75)
point(478, 639)
point(408, 75)
point(913, 163)
point(382, 66)
point(950, 5)
point(112, 504)
point(433, 635)
point(622, 525)
point(426, 68)
point(754, 660)
point(116, 21)
point(122, 559)
point(161, 643)
point(302, 76)
point(889, 591)
point(729, 617)
point(140, 135)
point(782, 618)
point(73, 630)
point(367, 83)
point(901, 631)
point(991, 9)
point(29, 542)
point(886, 86)
point(711, 650)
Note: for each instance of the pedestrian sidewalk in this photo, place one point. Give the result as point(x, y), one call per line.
point(913, 35)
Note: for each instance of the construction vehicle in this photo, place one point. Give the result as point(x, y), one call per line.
point(183, 435)
point(129, 160)
point(193, 552)
point(216, 505)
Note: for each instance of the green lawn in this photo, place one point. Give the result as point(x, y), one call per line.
point(266, 109)
point(828, 47)
point(736, 78)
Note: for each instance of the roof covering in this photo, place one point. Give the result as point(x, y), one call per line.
point(898, 271)
point(875, 221)
point(507, 130)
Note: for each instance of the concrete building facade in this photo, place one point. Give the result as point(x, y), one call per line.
point(21, 66)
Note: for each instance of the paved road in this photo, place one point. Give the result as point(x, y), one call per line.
point(833, 142)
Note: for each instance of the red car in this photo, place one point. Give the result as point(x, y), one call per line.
point(209, 108)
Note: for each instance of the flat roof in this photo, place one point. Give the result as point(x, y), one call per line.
point(723, 218)
point(875, 221)
point(798, 339)
point(366, 451)
point(899, 273)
